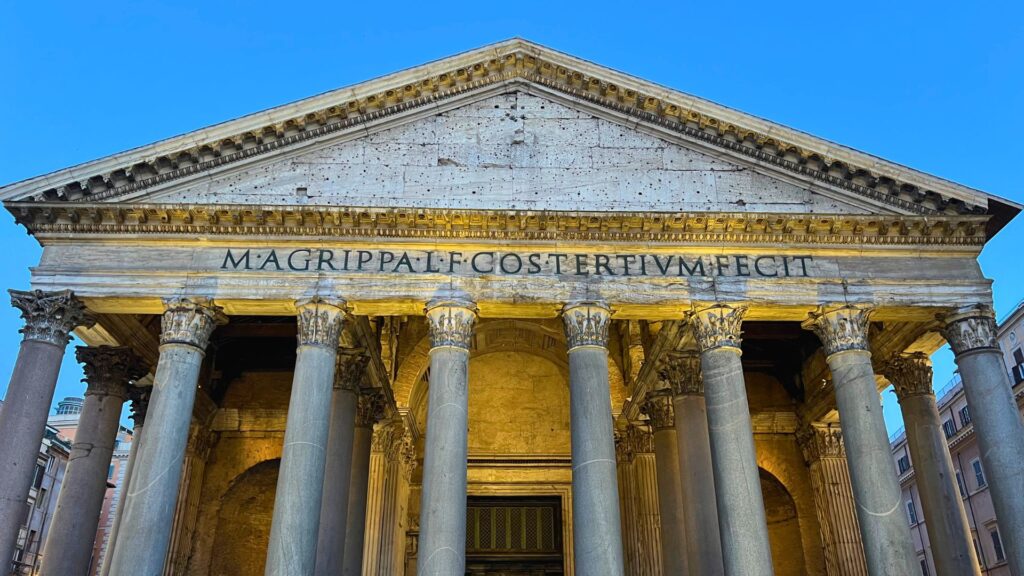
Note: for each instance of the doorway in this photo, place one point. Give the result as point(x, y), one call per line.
point(513, 536)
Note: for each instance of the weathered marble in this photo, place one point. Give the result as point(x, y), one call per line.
point(109, 372)
point(293, 532)
point(49, 318)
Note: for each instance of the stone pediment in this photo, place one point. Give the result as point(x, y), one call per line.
point(512, 126)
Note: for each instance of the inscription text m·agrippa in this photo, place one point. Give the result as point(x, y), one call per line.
point(515, 263)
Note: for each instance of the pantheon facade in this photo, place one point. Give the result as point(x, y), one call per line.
point(507, 313)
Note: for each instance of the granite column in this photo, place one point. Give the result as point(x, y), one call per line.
point(296, 518)
point(145, 531)
point(330, 546)
point(971, 333)
point(742, 521)
point(597, 540)
point(843, 331)
point(109, 372)
point(661, 412)
point(371, 408)
point(442, 539)
point(945, 518)
point(703, 546)
point(139, 396)
point(49, 319)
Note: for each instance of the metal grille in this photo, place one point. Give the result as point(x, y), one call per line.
point(511, 528)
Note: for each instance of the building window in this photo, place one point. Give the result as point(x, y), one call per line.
point(949, 428)
point(977, 551)
point(924, 567)
point(960, 484)
point(965, 416)
point(110, 472)
point(979, 474)
point(903, 464)
point(911, 512)
point(40, 472)
point(997, 544)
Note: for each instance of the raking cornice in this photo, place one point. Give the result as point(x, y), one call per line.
point(511, 62)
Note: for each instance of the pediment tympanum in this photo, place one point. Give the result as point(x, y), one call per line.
point(512, 126)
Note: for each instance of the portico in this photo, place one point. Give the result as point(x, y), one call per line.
point(553, 316)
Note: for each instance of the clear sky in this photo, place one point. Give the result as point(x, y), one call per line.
point(937, 86)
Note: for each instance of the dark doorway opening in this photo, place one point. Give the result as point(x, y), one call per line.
point(514, 536)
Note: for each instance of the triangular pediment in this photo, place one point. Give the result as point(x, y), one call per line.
point(512, 126)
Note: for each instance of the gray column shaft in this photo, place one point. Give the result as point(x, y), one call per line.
point(945, 519)
point(355, 526)
point(700, 511)
point(442, 546)
point(741, 517)
point(883, 522)
point(145, 531)
point(330, 546)
point(1001, 438)
point(670, 503)
point(115, 528)
point(22, 425)
point(293, 531)
point(597, 537)
point(68, 548)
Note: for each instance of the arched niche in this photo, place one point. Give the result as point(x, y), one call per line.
point(243, 522)
point(542, 340)
point(783, 527)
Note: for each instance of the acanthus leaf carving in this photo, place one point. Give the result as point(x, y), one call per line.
point(680, 370)
point(840, 328)
point(971, 328)
point(451, 323)
point(110, 370)
point(909, 374)
point(320, 321)
point(586, 324)
point(819, 441)
point(718, 326)
point(191, 322)
point(659, 410)
point(50, 316)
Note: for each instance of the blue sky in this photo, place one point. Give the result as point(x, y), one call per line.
point(935, 86)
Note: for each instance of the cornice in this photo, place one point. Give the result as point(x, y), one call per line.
point(56, 218)
point(515, 62)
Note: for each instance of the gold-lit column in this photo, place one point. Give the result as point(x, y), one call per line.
point(843, 331)
point(823, 450)
point(741, 516)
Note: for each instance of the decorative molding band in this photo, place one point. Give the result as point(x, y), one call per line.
point(110, 370)
point(371, 407)
point(50, 316)
point(970, 328)
point(680, 370)
point(840, 328)
point(586, 324)
point(516, 66)
point(139, 396)
point(910, 375)
point(350, 369)
point(190, 322)
point(424, 223)
point(717, 326)
point(660, 411)
point(319, 321)
point(821, 441)
point(451, 323)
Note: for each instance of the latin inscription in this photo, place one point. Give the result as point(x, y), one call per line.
point(516, 263)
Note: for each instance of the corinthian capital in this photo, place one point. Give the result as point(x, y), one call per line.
point(319, 321)
point(660, 411)
point(350, 369)
point(371, 407)
point(910, 374)
point(820, 441)
point(680, 371)
point(586, 324)
point(50, 316)
point(717, 326)
point(190, 322)
point(451, 323)
point(109, 370)
point(139, 395)
point(970, 328)
point(840, 328)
